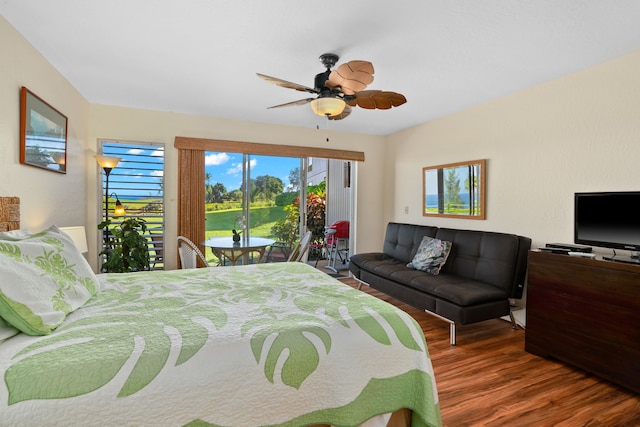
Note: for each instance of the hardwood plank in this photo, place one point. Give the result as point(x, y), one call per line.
point(489, 380)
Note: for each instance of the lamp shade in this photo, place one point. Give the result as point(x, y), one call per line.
point(79, 237)
point(119, 209)
point(107, 162)
point(327, 106)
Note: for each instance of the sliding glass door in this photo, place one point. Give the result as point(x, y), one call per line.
point(274, 197)
point(256, 195)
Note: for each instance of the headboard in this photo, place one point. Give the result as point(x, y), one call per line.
point(9, 213)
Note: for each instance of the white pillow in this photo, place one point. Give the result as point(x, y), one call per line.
point(6, 330)
point(43, 277)
point(431, 255)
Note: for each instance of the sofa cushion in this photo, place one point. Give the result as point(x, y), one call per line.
point(484, 256)
point(458, 290)
point(453, 288)
point(384, 266)
point(379, 263)
point(403, 240)
point(431, 255)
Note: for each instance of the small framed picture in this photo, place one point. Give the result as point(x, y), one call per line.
point(43, 134)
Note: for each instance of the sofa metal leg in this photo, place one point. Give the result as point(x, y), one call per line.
point(514, 324)
point(360, 283)
point(452, 333)
point(452, 326)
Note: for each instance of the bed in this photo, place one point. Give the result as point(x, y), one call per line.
point(279, 344)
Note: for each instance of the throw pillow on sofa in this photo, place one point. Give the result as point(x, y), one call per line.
point(431, 255)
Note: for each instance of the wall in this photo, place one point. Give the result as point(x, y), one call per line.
point(116, 123)
point(576, 133)
point(46, 197)
point(72, 199)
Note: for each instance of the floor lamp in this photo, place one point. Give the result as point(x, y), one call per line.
point(107, 163)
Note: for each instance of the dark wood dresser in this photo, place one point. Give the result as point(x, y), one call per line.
point(585, 312)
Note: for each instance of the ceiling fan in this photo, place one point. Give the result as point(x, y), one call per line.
point(341, 89)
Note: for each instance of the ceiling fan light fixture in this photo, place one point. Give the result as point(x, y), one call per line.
point(327, 106)
point(339, 90)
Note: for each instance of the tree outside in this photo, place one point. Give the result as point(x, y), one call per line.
point(452, 191)
point(274, 212)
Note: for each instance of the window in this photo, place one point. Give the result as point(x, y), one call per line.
point(138, 182)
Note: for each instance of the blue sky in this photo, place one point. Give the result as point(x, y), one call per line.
point(140, 170)
point(226, 168)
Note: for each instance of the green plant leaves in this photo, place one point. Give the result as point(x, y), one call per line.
point(126, 249)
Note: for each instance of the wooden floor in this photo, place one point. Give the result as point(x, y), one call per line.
point(488, 379)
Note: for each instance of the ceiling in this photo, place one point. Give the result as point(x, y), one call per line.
point(201, 56)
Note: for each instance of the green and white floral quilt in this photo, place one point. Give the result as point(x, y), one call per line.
point(267, 344)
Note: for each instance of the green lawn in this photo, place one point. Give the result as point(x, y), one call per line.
point(220, 223)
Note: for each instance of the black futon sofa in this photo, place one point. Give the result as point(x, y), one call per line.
point(483, 271)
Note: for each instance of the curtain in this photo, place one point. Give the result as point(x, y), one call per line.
point(191, 216)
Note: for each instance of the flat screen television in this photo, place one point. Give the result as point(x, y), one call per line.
point(609, 220)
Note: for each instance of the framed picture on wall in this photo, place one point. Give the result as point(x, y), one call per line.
point(43, 134)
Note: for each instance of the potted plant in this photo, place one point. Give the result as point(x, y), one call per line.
point(238, 225)
point(126, 249)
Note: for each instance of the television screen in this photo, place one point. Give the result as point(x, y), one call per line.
point(609, 220)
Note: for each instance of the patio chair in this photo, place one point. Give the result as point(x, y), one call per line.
point(157, 240)
point(301, 252)
point(189, 254)
point(279, 251)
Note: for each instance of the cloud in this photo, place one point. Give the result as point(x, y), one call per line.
point(134, 151)
point(216, 159)
point(237, 167)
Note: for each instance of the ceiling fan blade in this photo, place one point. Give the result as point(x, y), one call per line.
point(345, 113)
point(284, 83)
point(352, 76)
point(377, 99)
point(293, 103)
